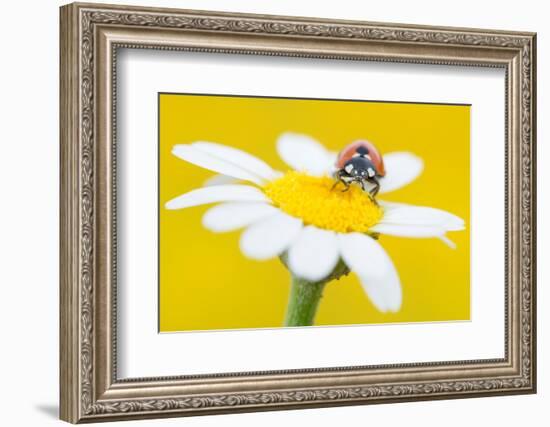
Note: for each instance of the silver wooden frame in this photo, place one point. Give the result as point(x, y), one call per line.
point(90, 36)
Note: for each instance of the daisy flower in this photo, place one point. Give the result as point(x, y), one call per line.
point(318, 231)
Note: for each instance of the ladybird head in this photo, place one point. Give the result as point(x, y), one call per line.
point(362, 151)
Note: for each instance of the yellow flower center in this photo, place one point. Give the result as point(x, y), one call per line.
point(314, 201)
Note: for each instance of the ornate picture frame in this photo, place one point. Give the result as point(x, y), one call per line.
point(90, 37)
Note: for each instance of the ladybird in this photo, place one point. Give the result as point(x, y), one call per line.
point(359, 162)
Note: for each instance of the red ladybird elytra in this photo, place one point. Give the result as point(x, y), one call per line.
point(351, 150)
point(360, 162)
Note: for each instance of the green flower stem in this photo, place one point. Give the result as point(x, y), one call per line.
point(303, 301)
point(305, 296)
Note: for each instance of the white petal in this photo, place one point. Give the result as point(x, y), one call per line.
point(270, 237)
point(303, 153)
point(401, 230)
point(364, 255)
point(313, 254)
point(421, 215)
point(232, 165)
point(369, 260)
point(331, 163)
point(219, 193)
point(239, 158)
point(390, 205)
point(448, 242)
point(219, 179)
point(232, 216)
point(401, 169)
point(385, 293)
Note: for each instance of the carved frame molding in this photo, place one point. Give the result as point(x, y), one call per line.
point(90, 37)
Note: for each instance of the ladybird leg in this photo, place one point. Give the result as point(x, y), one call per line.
point(346, 184)
point(376, 187)
point(338, 177)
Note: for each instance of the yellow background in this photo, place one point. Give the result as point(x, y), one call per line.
point(205, 281)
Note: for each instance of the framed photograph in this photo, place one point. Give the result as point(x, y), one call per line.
point(266, 212)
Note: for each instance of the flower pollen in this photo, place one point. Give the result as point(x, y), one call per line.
point(313, 200)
